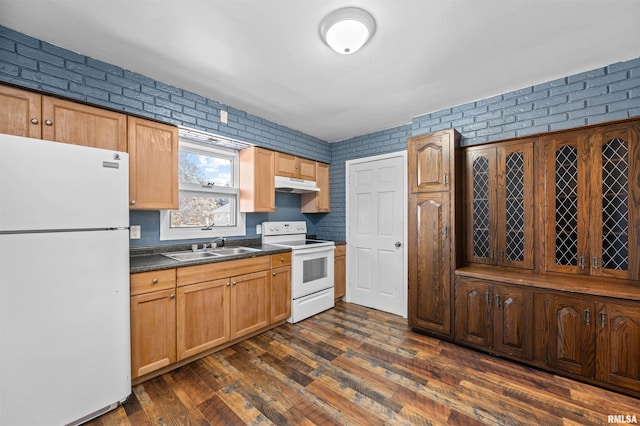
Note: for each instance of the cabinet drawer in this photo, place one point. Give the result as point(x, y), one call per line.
point(341, 250)
point(146, 282)
point(280, 259)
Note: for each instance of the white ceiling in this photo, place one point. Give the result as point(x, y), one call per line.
point(266, 57)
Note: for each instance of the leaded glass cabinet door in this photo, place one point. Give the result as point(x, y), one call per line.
point(481, 205)
point(567, 209)
point(615, 199)
point(515, 205)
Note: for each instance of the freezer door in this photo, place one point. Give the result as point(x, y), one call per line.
point(64, 325)
point(51, 186)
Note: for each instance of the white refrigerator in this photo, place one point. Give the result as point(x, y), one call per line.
point(64, 282)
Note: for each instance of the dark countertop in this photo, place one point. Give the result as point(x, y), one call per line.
point(148, 259)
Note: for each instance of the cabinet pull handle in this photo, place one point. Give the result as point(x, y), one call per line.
point(34, 121)
point(445, 179)
point(446, 232)
point(48, 122)
point(603, 319)
point(582, 263)
point(498, 299)
point(487, 297)
point(587, 316)
point(595, 262)
point(154, 281)
point(173, 296)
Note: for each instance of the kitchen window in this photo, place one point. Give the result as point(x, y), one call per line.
point(208, 194)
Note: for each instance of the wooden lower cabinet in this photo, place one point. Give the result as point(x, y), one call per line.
point(202, 317)
point(153, 331)
point(280, 294)
point(340, 271)
point(249, 303)
point(495, 316)
point(618, 344)
point(569, 334)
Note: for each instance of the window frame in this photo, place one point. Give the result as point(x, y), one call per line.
point(239, 229)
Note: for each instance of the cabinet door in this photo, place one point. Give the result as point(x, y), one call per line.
point(306, 169)
point(340, 277)
point(481, 199)
point(286, 165)
point(515, 207)
point(615, 212)
point(429, 255)
point(513, 321)
point(203, 317)
point(567, 206)
point(153, 165)
point(153, 331)
point(430, 161)
point(569, 334)
point(71, 122)
point(20, 112)
point(618, 344)
point(318, 202)
point(249, 303)
point(257, 186)
point(473, 309)
point(280, 294)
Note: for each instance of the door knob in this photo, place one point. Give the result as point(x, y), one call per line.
point(398, 244)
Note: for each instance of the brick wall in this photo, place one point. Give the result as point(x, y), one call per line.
point(604, 94)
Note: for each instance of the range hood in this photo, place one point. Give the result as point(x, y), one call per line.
point(295, 186)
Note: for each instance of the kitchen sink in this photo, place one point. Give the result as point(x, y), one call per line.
point(229, 251)
point(184, 256)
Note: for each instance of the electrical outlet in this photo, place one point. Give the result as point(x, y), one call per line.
point(258, 229)
point(134, 232)
point(224, 117)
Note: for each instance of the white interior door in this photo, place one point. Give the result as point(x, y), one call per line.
point(376, 230)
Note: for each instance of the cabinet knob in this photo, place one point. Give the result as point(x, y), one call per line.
point(48, 122)
point(274, 274)
point(132, 202)
point(154, 281)
point(234, 283)
point(173, 296)
point(282, 259)
point(34, 121)
point(228, 283)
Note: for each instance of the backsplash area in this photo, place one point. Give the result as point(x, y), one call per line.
point(287, 208)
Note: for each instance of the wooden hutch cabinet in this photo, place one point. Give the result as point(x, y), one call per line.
point(551, 269)
point(432, 222)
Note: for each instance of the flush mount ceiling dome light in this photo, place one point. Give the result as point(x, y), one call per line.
point(348, 29)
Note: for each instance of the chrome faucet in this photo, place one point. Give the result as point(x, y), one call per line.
point(215, 243)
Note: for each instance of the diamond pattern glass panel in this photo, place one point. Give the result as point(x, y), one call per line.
point(515, 206)
point(567, 206)
point(481, 207)
point(615, 212)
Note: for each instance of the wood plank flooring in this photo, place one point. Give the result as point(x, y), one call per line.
point(357, 366)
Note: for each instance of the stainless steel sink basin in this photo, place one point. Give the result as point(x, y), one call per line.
point(184, 256)
point(229, 251)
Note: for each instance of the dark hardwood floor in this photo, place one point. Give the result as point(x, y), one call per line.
point(357, 366)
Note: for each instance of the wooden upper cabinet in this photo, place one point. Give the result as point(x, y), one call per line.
point(70, 122)
point(500, 200)
point(592, 213)
point(296, 167)
point(318, 202)
point(153, 165)
point(431, 161)
point(257, 186)
point(20, 112)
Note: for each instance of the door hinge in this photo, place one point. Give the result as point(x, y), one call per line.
point(445, 179)
point(603, 318)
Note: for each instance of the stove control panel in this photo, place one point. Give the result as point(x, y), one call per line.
point(284, 228)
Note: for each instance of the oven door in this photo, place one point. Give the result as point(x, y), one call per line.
point(311, 270)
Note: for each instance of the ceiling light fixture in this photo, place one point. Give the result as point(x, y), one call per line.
point(346, 30)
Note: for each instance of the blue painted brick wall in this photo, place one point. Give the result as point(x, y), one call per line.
point(603, 94)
